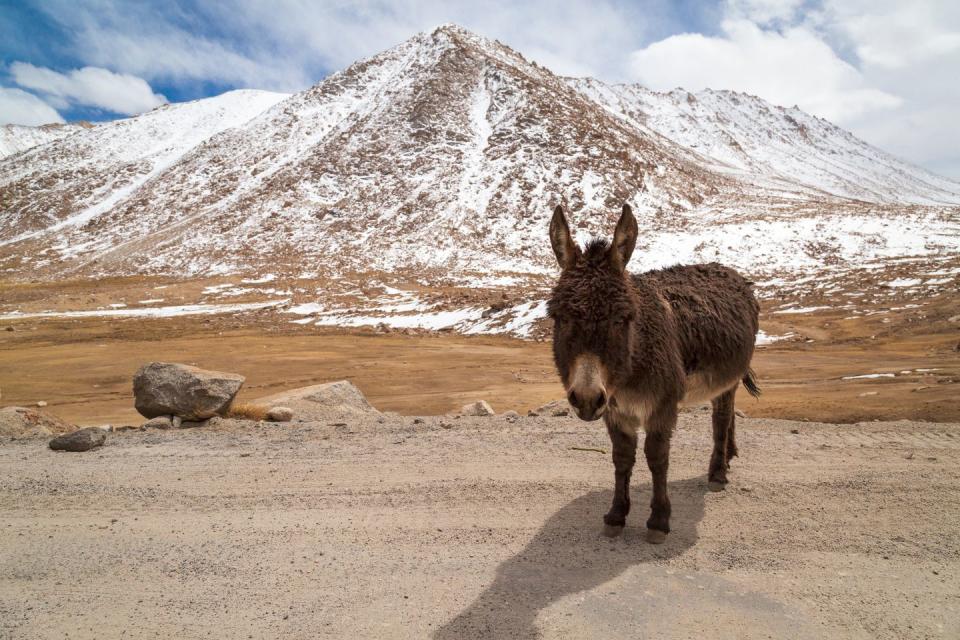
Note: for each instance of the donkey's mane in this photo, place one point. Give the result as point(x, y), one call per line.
point(596, 250)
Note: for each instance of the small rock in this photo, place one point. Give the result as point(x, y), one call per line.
point(176, 421)
point(511, 416)
point(794, 430)
point(418, 421)
point(740, 414)
point(869, 393)
point(160, 422)
point(42, 403)
point(9, 328)
point(81, 440)
point(478, 408)
point(446, 425)
point(556, 409)
point(280, 414)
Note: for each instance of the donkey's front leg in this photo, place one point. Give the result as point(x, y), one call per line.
point(623, 436)
point(656, 446)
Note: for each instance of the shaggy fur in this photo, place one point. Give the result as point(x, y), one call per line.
point(654, 341)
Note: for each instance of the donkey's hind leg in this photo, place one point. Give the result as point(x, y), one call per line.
point(732, 434)
point(723, 445)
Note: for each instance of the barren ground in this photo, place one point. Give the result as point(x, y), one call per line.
point(485, 529)
point(482, 527)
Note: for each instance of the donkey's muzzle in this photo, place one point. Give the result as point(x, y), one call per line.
point(589, 406)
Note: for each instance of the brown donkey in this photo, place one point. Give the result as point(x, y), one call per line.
point(631, 349)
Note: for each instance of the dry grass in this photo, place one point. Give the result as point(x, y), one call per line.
point(247, 411)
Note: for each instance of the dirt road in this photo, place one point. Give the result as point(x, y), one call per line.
point(484, 529)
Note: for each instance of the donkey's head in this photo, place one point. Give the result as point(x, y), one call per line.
point(593, 308)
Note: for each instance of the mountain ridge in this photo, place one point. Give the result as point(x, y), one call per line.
point(443, 155)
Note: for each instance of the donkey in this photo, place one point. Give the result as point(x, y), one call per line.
point(632, 348)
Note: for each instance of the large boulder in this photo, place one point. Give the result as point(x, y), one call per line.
point(167, 388)
point(80, 440)
point(26, 422)
point(332, 400)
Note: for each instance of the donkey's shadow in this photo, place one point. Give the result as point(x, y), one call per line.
point(569, 555)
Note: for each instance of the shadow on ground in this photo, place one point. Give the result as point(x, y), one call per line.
point(569, 555)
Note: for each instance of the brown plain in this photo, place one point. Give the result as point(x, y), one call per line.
point(83, 367)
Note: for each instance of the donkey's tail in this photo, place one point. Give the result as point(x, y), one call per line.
point(750, 382)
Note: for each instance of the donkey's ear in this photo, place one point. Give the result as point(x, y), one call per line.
point(624, 239)
point(563, 245)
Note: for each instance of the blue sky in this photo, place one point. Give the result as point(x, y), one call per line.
point(880, 68)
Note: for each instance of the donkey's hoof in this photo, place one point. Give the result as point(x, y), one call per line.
point(655, 536)
point(713, 485)
point(612, 531)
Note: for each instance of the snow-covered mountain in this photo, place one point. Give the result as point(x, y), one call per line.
point(445, 155)
point(15, 138)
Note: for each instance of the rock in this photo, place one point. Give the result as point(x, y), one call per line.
point(418, 421)
point(740, 414)
point(176, 422)
point(165, 388)
point(868, 393)
point(330, 401)
point(446, 425)
point(42, 403)
point(160, 422)
point(9, 328)
point(80, 440)
point(511, 416)
point(478, 408)
point(555, 409)
point(25, 422)
point(280, 414)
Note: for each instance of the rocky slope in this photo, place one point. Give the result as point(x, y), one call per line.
point(773, 146)
point(15, 138)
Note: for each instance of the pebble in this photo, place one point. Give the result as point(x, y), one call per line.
point(280, 414)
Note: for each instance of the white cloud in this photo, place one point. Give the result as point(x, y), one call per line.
point(19, 107)
point(897, 35)
point(792, 67)
point(89, 86)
